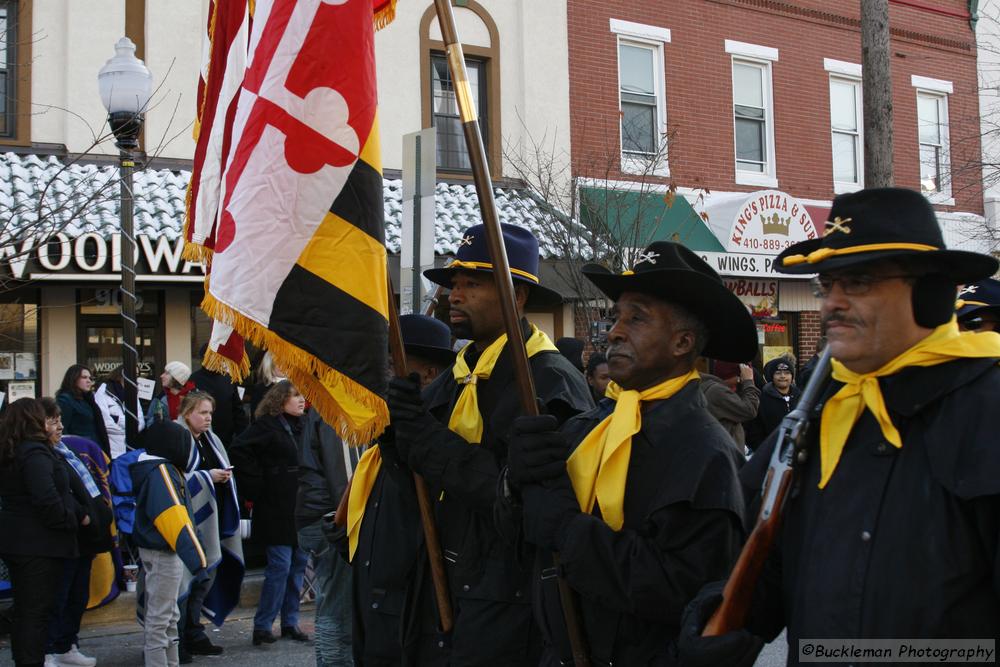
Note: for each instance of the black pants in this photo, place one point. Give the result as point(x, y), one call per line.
point(35, 580)
point(70, 603)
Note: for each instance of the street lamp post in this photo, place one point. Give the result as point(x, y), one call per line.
point(126, 86)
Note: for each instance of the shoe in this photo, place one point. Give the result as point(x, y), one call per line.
point(50, 660)
point(263, 637)
point(204, 646)
point(294, 633)
point(183, 657)
point(73, 658)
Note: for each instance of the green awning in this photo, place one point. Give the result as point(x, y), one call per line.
point(636, 219)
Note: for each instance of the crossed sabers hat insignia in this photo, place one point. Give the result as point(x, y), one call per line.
point(838, 224)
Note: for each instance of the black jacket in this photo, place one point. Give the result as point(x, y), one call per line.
point(773, 408)
point(901, 542)
point(489, 579)
point(265, 459)
point(682, 529)
point(229, 418)
point(38, 514)
point(323, 471)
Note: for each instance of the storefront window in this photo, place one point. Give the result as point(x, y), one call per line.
point(101, 335)
point(775, 339)
point(103, 350)
point(19, 349)
point(201, 328)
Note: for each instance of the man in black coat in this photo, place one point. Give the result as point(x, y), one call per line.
point(892, 529)
point(779, 397)
point(229, 418)
point(647, 507)
point(455, 436)
point(385, 541)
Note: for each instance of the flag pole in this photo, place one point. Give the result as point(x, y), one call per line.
point(431, 540)
point(501, 271)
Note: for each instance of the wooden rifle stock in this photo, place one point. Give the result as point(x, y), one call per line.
point(739, 590)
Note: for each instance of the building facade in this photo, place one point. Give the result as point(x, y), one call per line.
point(736, 122)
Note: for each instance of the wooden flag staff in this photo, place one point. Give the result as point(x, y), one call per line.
point(501, 270)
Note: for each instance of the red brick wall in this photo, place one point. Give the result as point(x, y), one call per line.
point(698, 85)
point(809, 334)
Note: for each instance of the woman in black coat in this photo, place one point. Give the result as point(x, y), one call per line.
point(265, 459)
point(39, 521)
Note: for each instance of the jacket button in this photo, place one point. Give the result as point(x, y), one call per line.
point(882, 448)
point(367, 563)
point(376, 503)
point(374, 605)
point(465, 588)
point(517, 594)
point(865, 536)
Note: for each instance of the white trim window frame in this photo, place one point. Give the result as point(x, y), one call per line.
point(933, 138)
point(753, 113)
point(846, 134)
point(642, 41)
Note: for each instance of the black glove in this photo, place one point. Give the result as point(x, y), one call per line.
point(738, 648)
point(536, 451)
point(548, 510)
point(407, 414)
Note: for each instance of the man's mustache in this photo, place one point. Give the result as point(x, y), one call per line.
point(840, 317)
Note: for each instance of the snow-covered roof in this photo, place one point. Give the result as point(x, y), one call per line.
point(79, 198)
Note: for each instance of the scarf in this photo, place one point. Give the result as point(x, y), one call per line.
point(599, 466)
point(80, 469)
point(465, 419)
point(361, 487)
point(174, 400)
point(862, 390)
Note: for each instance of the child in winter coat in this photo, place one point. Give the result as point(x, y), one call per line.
point(166, 536)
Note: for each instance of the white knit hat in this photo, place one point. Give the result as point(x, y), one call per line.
point(179, 371)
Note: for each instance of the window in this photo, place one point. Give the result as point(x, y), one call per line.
point(13, 85)
point(641, 97)
point(753, 119)
point(845, 126)
point(932, 129)
point(451, 150)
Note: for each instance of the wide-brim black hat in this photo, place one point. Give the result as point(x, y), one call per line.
point(879, 224)
point(677, 275)
point(978, 298)
point(427, 337)
point(522, 257)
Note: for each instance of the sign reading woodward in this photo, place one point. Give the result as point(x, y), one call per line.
point(91, 256)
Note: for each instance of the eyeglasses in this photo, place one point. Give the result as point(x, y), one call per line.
point(853, 284)
point(977, 323)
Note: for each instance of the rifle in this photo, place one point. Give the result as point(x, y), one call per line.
point(736, 596)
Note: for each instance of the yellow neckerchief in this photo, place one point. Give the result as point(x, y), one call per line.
point(361, 488)
point(465, 418)
point(861, 390)
point(599, 465)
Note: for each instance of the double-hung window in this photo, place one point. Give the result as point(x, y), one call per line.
point(452, 153)
point(641, 97)
point(932, 137)
point(846, 142)
point(753, 113)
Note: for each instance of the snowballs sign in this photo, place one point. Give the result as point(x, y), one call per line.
point(754, 228)
point(769, 222)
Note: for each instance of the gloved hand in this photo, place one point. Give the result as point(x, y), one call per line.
point(536, 451)
point(548, 509)
point(738, 648)
point(407, 414)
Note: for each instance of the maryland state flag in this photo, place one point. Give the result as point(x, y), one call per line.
point(298, 261)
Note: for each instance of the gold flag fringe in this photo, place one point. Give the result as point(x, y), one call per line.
point(310, 376)
point(214, 361)
point(195, 252)
point(385, 16)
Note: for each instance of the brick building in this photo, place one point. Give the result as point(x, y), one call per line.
point(750, 112)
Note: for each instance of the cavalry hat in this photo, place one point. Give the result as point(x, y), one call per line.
point(427, 337)
point(522, 256)
point(675, 274)
point(878, 224)
point(976, 299)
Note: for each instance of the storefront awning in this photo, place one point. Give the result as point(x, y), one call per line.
point(636, 219)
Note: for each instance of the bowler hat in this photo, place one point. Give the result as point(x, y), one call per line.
point(427, 337)
point(522, 257)
point(978, 298)
point(878, 224)
point(675, 274)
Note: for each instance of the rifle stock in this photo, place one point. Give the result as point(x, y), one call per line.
point(738, 593)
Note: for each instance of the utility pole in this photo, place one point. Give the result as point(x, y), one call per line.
point(876, 87)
